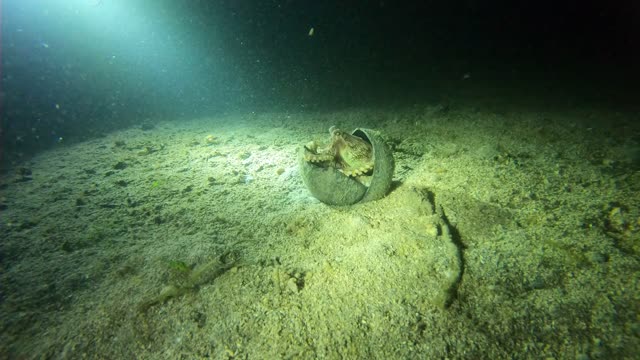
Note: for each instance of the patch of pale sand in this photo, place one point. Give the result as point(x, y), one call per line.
point(92, 239)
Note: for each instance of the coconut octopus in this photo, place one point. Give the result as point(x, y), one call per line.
point(351, 155)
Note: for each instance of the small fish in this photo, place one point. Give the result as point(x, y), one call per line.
point(311, 32)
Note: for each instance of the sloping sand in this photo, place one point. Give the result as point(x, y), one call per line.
point(506, 235)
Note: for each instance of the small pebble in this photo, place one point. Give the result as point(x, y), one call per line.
point(292, 286)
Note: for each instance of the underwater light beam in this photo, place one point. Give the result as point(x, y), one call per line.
point(129, 47)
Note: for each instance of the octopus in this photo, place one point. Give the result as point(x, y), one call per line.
point(351, 155)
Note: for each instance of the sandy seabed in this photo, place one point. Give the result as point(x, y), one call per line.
point(505, 235)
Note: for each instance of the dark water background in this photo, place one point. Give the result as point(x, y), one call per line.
point(73, 70)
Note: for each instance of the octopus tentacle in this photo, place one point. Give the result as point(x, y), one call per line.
point(317, 157)
point(312, 154)
point(351, 155)
point(357, 172)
